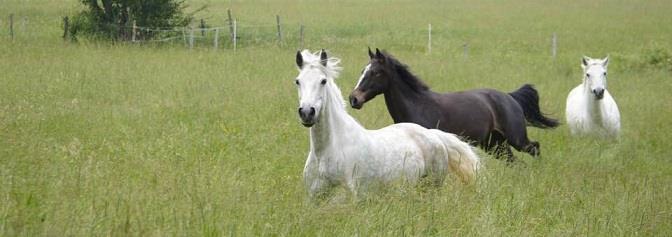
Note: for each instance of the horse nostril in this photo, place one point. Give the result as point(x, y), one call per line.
point(312, 111)
point(353, 100)
point(598, 93)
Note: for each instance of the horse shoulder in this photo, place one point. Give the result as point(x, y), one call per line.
point(575, 99)
point(575, 107)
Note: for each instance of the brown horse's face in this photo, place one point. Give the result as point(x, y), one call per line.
point(373, 81)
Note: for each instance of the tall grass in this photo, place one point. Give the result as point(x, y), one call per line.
point(119, 139)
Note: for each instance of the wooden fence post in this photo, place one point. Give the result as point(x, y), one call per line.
point(184, 36)
point(191, 37)
point(24, 22)
point(202, 27)
point(429, 39)
point(11, 26)
point(235, 41)
point(231, 34)
point(301, 36)
point(135, 31)
point(554, 45)
point(66, 26)
point(277, 19)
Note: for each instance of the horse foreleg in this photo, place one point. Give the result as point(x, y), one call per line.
point(533, 148)
point(504, 150)
point(318, 188)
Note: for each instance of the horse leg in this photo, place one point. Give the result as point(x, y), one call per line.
point(503, 150)
point(534, 149)
point(521, 143)
point(515, 132)
point(498, 147)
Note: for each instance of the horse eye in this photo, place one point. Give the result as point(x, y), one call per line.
point(296, 82)
point(605, 74)
point(587, 75)
point(323, 82)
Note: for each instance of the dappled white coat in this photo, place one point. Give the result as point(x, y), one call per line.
point(342, 152)
point(585, 114)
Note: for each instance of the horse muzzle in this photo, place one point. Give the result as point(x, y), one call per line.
point(356, 102)
point(307, 115)
point(599, 93)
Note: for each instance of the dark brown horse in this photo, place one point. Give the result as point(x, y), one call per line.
point(489, 118)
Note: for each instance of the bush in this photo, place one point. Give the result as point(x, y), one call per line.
point(113, 19)
point(658, 57)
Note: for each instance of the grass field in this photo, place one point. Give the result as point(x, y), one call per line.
point(100, 139)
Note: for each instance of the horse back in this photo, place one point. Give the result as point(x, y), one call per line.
point(471, 114)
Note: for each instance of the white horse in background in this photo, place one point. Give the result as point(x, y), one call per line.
point(342, 152)
point(590, 108)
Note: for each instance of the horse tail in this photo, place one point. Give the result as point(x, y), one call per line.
point(528, 98)
point(462, 159)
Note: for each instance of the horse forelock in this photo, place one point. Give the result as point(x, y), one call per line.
point(333, 68)
point(332, 71)
point(406, 76)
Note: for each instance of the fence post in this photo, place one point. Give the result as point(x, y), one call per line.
point(554, 45)
point(135, 31)
point(24, 22)
point(65, 28)
point(191, 37)
point(184, 36)
point(235, 32)
point(301, 36)
point(202, 27)
point(277, 19)
point(230, 25)
point(216, 38)
point(429, 39)
point(11, 26)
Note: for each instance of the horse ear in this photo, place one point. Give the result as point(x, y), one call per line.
point(380, 56)
point(323, 58)
point(605, 62)
point(299, 59)
point(584, 62)
point(370, 54)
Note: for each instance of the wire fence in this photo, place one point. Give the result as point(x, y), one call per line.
point(236, 34)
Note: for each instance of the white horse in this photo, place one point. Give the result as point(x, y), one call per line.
point(342, 152)
point(590, 108)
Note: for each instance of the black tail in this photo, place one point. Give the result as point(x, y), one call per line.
point(528, 98)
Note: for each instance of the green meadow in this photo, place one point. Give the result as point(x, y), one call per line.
point(147, 139)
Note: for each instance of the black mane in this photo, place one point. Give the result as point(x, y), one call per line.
point(406, 76)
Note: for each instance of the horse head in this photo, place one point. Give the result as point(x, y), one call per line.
point(595, 75)
point(373, 81)
point(316, 73)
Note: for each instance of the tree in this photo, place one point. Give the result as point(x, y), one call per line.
point(113, 19)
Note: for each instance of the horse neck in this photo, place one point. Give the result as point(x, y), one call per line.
point(334, 125)
point(401, 100)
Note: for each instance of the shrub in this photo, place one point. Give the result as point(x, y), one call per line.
point(113, 19)
point(658, 57)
